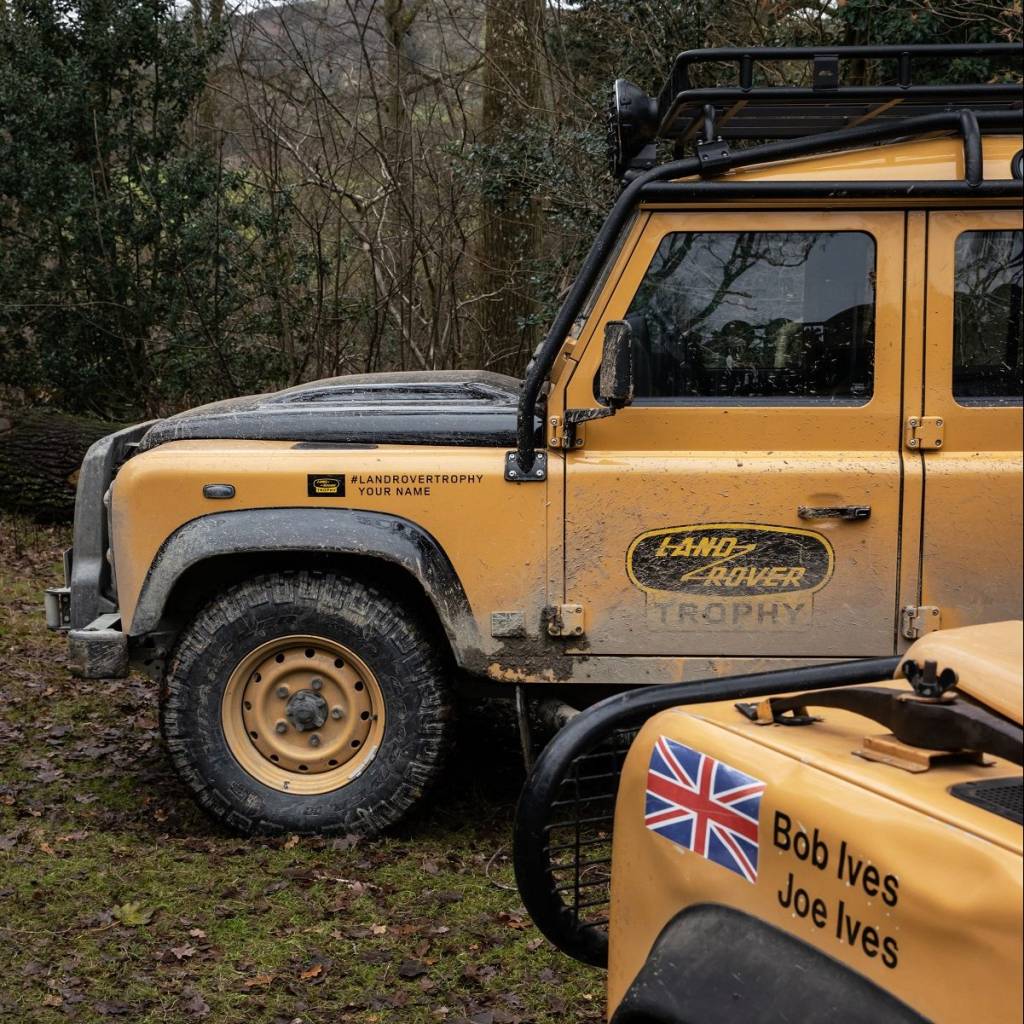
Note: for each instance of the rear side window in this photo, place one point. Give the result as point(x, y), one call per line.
point(756, 317)
point(987, 318)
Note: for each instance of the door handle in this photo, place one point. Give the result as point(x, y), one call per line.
point(849, 512)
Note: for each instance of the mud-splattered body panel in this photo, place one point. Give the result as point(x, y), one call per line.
point(492, 535)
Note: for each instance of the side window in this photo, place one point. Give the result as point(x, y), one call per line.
point(756, 317)
point(987, 318)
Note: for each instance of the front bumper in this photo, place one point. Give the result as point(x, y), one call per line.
point(89, 590)
point(100, 651)
point(86, 606)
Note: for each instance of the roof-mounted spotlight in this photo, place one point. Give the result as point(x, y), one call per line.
point(632, 128)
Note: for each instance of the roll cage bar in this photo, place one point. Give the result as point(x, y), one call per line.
point(842, 117)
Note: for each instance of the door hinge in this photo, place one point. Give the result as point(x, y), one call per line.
point(564, 619)
point(924, 432)
point(916, 620)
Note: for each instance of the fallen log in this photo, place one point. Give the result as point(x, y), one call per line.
point(41, 451)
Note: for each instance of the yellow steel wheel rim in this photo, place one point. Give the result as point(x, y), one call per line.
point(303, 714)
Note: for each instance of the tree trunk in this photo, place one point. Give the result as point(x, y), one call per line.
point(511, 222)
point(40, 455)
point(396, 146)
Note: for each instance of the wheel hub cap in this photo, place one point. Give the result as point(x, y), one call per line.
point(303, 714)
point(306, 710)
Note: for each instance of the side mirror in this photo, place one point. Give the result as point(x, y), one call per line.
point(615, 383)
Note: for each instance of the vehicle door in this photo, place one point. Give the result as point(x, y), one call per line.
point(970, 435)
point(747, 503)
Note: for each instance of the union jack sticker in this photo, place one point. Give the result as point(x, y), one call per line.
point(704, 805)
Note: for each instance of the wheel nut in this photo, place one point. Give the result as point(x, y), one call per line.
point(336, 713)
point(282, 692)
point(314, 741)
point(316, 683)
point(281, 727)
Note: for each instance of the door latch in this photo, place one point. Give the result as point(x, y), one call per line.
point(849, 512)
point(924, 432)
point(916, 620)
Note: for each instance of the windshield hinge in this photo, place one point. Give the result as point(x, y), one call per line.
point(563, 430)
point(924, 432)
point(916, 620)
point(558, 435)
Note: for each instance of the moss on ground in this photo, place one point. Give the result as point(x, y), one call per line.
point(122, 902)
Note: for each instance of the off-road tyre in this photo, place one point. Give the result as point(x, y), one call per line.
point(387, 637)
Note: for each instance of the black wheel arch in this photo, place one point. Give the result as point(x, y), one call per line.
point(714, 964)
point(206, 555)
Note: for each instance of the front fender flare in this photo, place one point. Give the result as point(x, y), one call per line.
point(713, 964)
point(329, 531)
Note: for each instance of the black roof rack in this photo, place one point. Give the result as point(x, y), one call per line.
point(745, 109)
point(744, 105)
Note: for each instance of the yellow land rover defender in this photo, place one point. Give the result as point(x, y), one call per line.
point(776, 422)
point(834, 844)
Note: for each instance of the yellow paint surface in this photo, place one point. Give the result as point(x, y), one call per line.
point(916, 889)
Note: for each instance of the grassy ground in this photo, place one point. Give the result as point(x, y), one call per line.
point(120, 901)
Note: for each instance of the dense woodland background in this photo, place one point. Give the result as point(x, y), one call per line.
point(199, 200)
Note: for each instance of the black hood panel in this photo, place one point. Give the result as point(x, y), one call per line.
point(443, 407)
